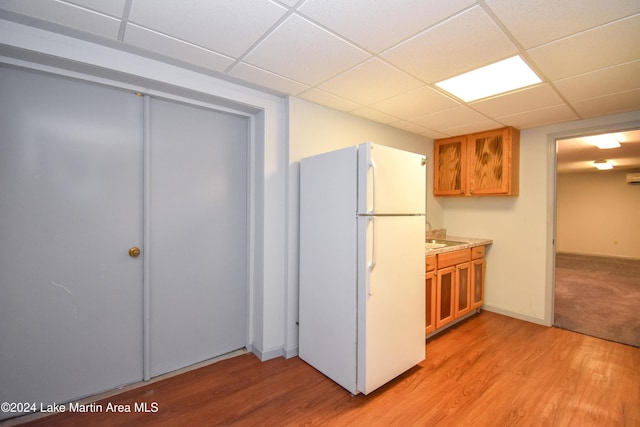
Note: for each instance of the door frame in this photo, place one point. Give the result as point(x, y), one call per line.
point(552, 176)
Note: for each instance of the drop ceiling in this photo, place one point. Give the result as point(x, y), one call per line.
point(578, 154)
point(379, 59)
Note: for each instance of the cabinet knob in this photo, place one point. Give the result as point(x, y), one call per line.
point(134, 252)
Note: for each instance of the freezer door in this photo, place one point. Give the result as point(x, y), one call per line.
point(390, 181)
point(391, 298)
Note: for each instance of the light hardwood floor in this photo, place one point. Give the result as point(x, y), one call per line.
point(490, 370)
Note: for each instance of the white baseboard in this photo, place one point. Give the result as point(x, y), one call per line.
point(265, 355)
point(508, 313)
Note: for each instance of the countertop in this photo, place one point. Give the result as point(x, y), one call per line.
point(465, 243)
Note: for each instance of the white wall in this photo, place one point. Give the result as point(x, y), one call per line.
point(520, 263)
point(598, 214)
point(314, 129)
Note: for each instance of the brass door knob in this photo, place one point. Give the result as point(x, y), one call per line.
point(134, 252)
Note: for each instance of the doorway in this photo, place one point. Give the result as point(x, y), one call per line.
point(597, 251)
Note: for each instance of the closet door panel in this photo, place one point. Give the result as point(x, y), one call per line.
point(198, 214)
point(70, 209)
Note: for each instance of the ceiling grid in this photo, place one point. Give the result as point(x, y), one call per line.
point(380, 59)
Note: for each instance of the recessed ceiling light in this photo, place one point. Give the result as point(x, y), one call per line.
point(604, 141)
point(500, 77)
point(603, 165)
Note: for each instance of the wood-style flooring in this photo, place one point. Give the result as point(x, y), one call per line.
point(490, 370)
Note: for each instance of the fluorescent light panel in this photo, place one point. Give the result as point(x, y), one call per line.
point(500, 77)
point(603, 165)
point(604, 141)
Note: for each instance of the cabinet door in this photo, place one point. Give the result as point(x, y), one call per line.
point(431, 296)
point(477, 282)
point(445, 296)
point(492, 165)
point(450, 170)
point(462, 297)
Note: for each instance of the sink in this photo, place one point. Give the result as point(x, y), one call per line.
point(433, 245)
point(436, 244)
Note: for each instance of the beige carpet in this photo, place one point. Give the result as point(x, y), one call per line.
point(598, 296)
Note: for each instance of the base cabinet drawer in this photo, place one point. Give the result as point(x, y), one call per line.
point(431, 262)
point(477, 252)
point(449, 259)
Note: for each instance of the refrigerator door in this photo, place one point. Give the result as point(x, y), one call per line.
point(391, 298)
point(328, 264)
point(391, 181)
point(391, 229)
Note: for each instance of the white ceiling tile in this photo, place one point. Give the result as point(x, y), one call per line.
point(467, 41)
point(159, 43)
point(357, 83)
point(375, 115)
point(415, 103)
point(614, 43)
point(450, 118)
point(533, 98)
point(543, 116)
point(615, 103)
point(463, 128)
point(536, 22)
point(266, 79)
point(289, 3)
point(67, 15)
point(368, 23)
point(304, 52)
point(111, 7)
point(331, 101)
point(587, 51)
point(616, 79)
point(228, 27)
point(414, 128)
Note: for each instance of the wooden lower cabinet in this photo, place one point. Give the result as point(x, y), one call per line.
point(430, 294)
point(455, 287)
point(445, 292)
point(462, 297)
point(477, 282)
point(430, 291)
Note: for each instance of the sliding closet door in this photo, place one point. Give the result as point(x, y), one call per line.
point(198, 222)
point(70, 209)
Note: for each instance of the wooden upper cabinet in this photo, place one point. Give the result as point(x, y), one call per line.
point(494, 162)
point(450, 170)
point(486, 164)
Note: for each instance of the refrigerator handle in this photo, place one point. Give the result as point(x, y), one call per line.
point(372, 264)
point(372, 166)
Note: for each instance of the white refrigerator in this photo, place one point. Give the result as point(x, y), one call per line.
point(362, 267)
